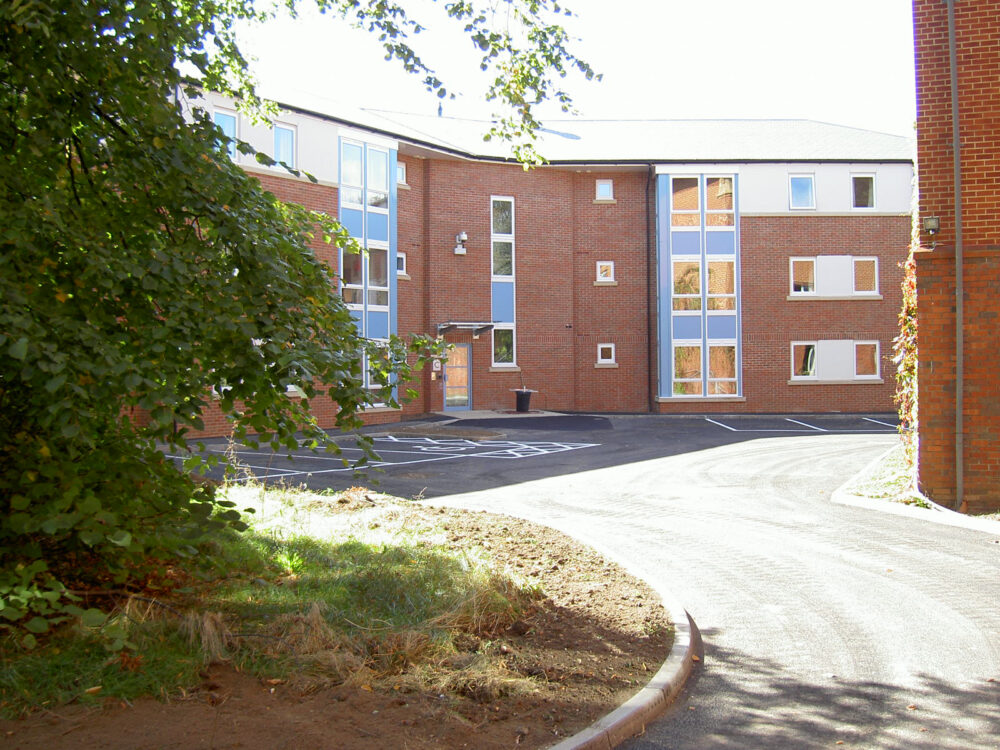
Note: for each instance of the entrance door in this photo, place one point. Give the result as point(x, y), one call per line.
point(458, 378)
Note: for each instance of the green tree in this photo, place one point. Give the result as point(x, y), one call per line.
point(140, 269)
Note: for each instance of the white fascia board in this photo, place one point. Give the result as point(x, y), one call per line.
point(721, 168)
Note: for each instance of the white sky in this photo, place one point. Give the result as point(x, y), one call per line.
point(849, 62)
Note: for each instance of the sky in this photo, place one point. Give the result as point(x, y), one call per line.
point(849, 62)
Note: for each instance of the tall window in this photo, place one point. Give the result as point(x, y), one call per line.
point(284, 145)
point(863, 189)
point(801, 191)
point(503, 264)
point(352, 176)
point(703, 286)
point(226, 121)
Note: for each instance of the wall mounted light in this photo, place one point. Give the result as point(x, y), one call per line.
point(931, 224)
point(460, 239)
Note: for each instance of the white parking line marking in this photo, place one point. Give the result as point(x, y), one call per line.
point(812, 427)
point(875, 421)
point(429, 450)
point(731, 429)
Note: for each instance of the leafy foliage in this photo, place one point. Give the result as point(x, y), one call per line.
point(142, 272)
point(905, 355)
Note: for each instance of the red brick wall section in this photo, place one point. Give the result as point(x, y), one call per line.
point(771, 321)
point(978, 54)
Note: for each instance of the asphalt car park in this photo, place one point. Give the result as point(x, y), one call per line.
point(438, 457)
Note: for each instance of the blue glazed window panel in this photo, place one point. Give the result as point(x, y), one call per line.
point(720, 242)
point(378, 227)
point(685, 243)
point(686, 327)
point(722, 326)
point(503, 302)
point(378, 325)
point(353, 221)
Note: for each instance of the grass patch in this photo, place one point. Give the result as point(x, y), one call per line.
point(323, 589)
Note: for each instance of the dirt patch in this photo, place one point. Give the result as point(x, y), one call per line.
point(597, 637)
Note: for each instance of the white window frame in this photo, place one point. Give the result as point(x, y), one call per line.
point(707, 292)
point(368, 385)
point(609, 185)
point(791, 276)
point(703, 196)
point(513, 345)
point(854, 275)
point(867, 175)
point(610, 277)
point(360, 187)
point(815, 364)
point(685, 211)
point(401, 264)
point(369, 287)
point(496, 236)
point(609, 360)
point(233, 153)
point(388, 180)
point(812, 180)
point(709, 380)
point(295, 144)
point(700, 380)
point(401, 173)
point(700, 295)
point(878, 360)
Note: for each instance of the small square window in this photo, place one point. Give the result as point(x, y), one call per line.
point(284, 145)
point(801, 191)
point(401, 263)
point(604, 190)
point(605, 354)
point(400, 173)
point(803, 276)
point(804, 360)
point(605, 270)
point(866, 275)
point(866, 359)
point(864, 190)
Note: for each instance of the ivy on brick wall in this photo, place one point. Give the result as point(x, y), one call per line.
point(905, 358)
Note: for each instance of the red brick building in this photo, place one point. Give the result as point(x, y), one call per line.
point(666, 266)
point(967, 470)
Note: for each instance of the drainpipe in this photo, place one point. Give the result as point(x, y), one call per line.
point(959, 269)
point(650, 270)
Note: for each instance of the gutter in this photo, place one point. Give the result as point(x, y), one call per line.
point(956, 147)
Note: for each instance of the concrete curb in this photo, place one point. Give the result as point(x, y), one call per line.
point(935, 513)
point(631, 717)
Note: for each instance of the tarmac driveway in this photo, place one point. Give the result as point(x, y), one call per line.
point(824, 625)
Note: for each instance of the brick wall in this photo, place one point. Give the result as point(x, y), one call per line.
point(561, 232)
point(978, 39)
point(771, 321)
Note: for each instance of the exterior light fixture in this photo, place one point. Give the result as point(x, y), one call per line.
point(460, 239)
point(932, 224)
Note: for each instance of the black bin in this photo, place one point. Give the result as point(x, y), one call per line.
point(523, 400)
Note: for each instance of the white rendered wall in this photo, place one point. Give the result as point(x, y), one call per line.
point(763, 188)
point(316, 139)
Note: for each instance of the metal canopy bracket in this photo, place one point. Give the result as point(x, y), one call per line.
point(477, 327)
